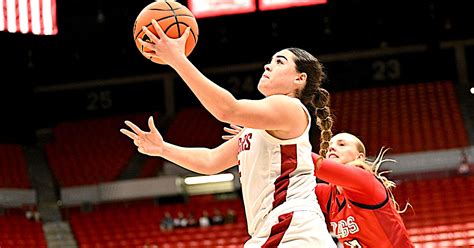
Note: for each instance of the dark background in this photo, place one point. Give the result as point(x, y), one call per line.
point(94, 43)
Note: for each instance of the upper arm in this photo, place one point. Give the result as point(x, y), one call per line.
point(278, 112)
point(225, 155)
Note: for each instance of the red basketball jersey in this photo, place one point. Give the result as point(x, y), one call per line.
point(362, 213)
point(359, 225)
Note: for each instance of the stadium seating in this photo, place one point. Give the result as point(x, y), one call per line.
point(407, 118)
point(151, 167)
point(195, 127)
point(13, 169)
point(443, 211)
point(138, 224)
point(90, 151)
point(191, 127)
point(442, 216)
point(17, 231)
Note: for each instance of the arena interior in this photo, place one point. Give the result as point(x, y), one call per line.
point(400, 75)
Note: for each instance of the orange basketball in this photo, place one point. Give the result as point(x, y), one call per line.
point(173, 19)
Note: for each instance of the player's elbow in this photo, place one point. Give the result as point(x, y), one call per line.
point(226, 112)
point(223, 116)
point(204, 168)
point(214, 164)
point(209, 170)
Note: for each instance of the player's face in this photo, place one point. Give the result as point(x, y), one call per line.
point(280, 75)
point(343, 148)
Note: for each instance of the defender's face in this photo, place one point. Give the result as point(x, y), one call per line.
point(343, 148)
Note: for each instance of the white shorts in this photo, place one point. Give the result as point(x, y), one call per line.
point(294, 229)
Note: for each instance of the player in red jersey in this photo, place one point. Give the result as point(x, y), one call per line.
point(357, 202)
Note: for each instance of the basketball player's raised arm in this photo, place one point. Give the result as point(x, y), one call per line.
point(200, 160)
point(264, 114)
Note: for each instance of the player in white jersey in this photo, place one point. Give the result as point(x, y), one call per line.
point(274, 152)
point(277, 194)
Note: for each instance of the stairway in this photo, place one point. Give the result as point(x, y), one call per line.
point(58, 235)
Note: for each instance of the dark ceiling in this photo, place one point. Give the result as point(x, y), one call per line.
point(95, 38)
point(95, 42)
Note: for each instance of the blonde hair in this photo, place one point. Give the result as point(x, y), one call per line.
point(374, 166)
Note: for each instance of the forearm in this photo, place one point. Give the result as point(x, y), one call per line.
point(196, 159)
point(218, 101)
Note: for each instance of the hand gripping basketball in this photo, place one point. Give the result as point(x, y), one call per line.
point(164, 48)
point(173, 19)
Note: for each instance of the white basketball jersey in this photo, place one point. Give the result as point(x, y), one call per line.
point(277, 176)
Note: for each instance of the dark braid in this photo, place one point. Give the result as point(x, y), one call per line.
point(324, 119)
point(315, 98)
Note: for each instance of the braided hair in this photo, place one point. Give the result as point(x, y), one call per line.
point(315, 98)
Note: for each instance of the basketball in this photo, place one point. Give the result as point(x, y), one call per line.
point(173, 19)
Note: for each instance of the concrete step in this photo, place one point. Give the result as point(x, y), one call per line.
point(59, 234)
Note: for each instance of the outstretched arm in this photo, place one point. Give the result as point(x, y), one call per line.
point(264, 114)
point(360, 185)
point(201, 160)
